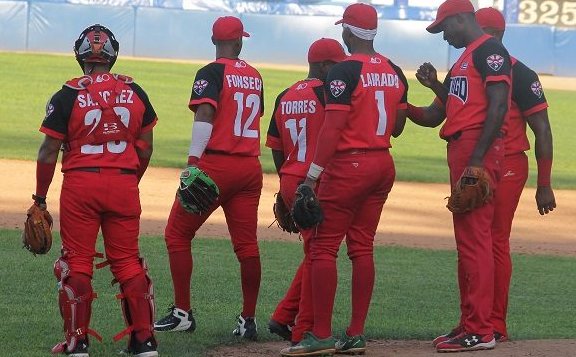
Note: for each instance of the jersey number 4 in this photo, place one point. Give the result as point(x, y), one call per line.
point(92, 118)
point(253, 103)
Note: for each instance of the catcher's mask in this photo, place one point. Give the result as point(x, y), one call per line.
point(96, 44)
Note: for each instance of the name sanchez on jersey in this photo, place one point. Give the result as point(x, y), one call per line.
point(244, 82)
point(298, 107)
point(380, 80)
point(124, 97)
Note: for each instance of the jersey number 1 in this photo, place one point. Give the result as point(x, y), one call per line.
point(382, 115)
point(298, 138)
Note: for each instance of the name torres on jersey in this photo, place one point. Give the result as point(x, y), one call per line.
point(124, 97)
point(298, 107)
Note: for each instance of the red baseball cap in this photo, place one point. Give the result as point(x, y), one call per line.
point(228, 28)
point(326, 49)
point(449, 8)
point(360, 15)
point(490, 17)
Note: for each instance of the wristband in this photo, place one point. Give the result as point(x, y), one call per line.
point(544, 171)
point(314, 171)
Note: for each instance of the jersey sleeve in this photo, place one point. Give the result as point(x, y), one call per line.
point(493, 62)
point(58, 111)
point(340, 84)
point(527, 90)
point(150, 117)
point(320, 94)
point(273, 140)
point(404, 100)
point(207, 86)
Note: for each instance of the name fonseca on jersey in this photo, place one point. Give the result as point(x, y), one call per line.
point(459, 87)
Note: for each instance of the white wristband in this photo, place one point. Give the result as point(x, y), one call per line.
point(201, 133)
point(314, 171)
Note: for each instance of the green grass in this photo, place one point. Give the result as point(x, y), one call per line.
point(415, 296)
point(28, 81)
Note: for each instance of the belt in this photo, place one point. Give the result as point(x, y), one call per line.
point(359, 151)
point(222, 152)
point(458, 134)
point(105, 170)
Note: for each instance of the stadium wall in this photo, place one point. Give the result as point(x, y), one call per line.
point(277, 39)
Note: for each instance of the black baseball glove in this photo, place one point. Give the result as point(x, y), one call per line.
point(306, 211)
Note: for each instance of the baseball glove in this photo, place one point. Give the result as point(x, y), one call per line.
point(197, 192)
point(306, 211)
point(37, 234)
point(283, 215)
point(471, 191)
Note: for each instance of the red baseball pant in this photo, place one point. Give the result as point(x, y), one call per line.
point(352, 192)
point(295, 309)
point(506, 198)
point(472, 231)
point(239, 179)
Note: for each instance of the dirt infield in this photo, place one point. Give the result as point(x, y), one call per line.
point(414, 216)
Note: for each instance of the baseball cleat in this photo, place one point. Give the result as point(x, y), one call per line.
point(499, 337)
point(351, 345)
point(443, 338)
point(176, 320)
point(311, 346)
point(467, 342)
point(279, 329)
point(246, 328)
point(147, 348)
point(81, 349)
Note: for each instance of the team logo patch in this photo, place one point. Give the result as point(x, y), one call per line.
point(49, 110)
point(537, 89)
point(302, 86)
point(200, 85)
point(459, 88)
point(495, 62)
point(464, 65)
point(337, 87)
point(240, 64)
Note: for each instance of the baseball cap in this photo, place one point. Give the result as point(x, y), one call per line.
point(360, 15)
point(449, 8)
point(490, 17)
point(326, 49)
point(228, 28)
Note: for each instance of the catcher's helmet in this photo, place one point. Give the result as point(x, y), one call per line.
point(96, 44)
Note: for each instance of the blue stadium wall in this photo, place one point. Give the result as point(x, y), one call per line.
point(277, 39)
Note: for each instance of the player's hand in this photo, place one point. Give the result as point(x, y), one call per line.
point(545, 199)
point(427, 75)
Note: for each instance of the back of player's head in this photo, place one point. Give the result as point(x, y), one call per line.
point(449, 8)
point(227, 28)
point(361, 19)
point(96, 44)
point(489, 17)
point(326, 49)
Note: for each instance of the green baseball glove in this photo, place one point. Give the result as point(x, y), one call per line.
point(197, 192)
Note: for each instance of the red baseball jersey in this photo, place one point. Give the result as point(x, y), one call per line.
point(527, 98)
point(235, 90)
point(371, 89)
point(296, 121)
point(484, 61)
point(74, 115)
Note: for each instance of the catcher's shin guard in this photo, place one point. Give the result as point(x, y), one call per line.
point(75, 297)
point(137, 301)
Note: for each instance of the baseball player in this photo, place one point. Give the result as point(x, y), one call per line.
point(227, 100)
point(474, 99)
point(296, 120)
point(528, 106)
point(103, 122)
point(365, 106)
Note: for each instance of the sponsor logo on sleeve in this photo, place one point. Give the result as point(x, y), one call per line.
point(199, 86)
point(495, 62)
point(337, 87)
point(537, 89)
